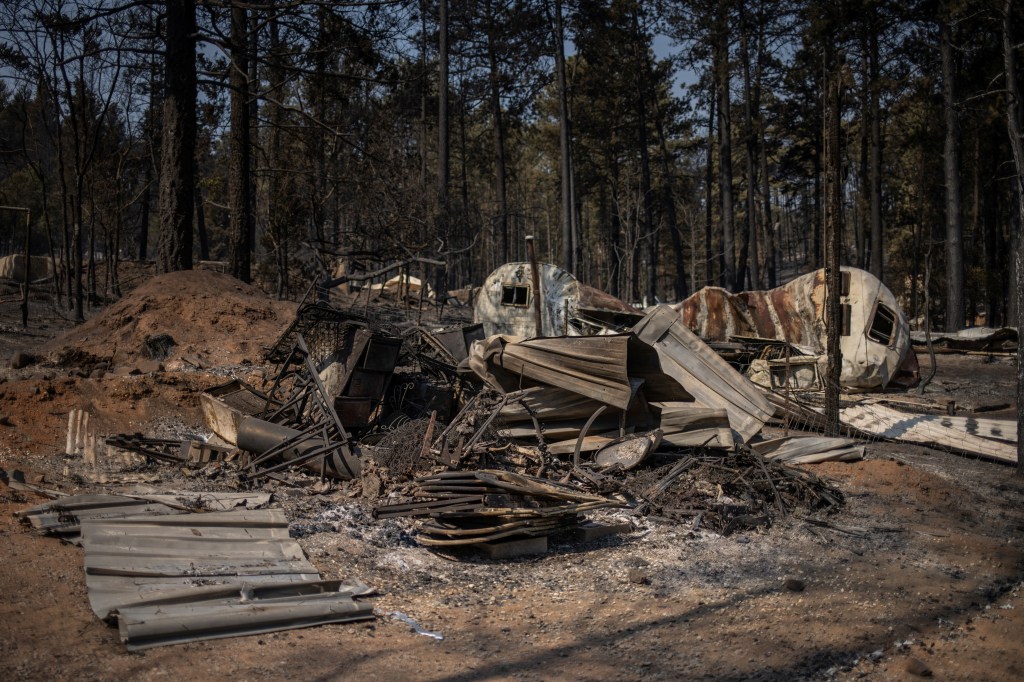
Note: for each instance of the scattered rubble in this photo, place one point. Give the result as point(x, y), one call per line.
point(499, 444)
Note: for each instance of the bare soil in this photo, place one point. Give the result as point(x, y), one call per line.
point(924, 563)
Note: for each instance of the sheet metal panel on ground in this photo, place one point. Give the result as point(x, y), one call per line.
point(167, 576)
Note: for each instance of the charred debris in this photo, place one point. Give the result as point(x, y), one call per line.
point(494, 431)
point(492, 442)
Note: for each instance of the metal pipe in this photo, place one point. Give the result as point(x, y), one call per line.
point(535, 276)
point(259, 436)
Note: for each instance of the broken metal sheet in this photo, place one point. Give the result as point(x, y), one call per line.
point(124, 556)
point(698, 370)
point(875, 341)
point(249, 610)
point(561, 414)
point(226, 405)
point(591, 366)
point(994, 438)
point(63, 517)
point(975, 339)
point(810, 449)
point(195, 501)
point(548, 403)
point(689, 425)
point(589, 444)
point(455, 342)
point(170, 577)
point(15, 480)
point(310, 450)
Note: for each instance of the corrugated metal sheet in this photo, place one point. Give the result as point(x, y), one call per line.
point(810, 449)
point(591, 366)
point(168, 576)
point(250, 610)
point(699, 371)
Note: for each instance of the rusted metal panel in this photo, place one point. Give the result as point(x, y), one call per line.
point(595, 367)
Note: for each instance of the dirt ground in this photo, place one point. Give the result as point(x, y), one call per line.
point(922, 569)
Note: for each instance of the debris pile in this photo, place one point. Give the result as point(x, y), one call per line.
point(480, 507)
point(727, 493)
point(492, 444)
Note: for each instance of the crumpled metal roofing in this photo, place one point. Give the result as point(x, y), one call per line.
point(167, 576)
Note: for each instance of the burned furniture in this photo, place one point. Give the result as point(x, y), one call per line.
point(354, 362)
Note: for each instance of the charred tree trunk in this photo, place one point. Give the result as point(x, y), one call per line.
point(499, 139)
point(668, 203)
point(951, 166)
point(648, 230)
point(876, 260)
point(178, 141)
point(204, 241)
point(241, 151)
point(568, 252)
point(1013, 125)
point(709, 195)
point(144, 215)
point(748, 248)
point(721, 65)
point(833, 231)
point(276, 219)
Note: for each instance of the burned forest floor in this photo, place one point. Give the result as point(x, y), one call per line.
point(919, 572)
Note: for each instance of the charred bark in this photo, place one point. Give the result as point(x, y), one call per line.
point(178, 140)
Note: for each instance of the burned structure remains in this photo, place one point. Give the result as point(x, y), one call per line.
point(875, 338)
point(559, 414)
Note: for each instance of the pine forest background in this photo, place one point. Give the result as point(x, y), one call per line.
point(651, 147)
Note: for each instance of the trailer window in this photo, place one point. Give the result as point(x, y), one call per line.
point(883, 325)
point(514, 295)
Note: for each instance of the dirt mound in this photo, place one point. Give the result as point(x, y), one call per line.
point(201, 315)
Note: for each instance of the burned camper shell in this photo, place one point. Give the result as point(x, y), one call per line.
point(875, 335)
point(504, 304)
